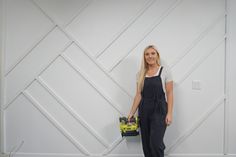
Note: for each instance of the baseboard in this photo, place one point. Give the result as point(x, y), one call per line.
point(112, 155)
point(4, 155)
point(201, 155)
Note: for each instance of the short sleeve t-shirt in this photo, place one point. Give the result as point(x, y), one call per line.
point(166, 76)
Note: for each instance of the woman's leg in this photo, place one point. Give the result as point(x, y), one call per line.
point(157, 132)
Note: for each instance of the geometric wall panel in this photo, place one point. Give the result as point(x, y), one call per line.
point(170, 26)
point(70, 73)
point(210, 131)
point(36, 133)
point(191, 46)
point(128, 146)
point(62, 79)
point(80, 136)
point(38, 59)
point(103, 83)
point(136, 33)
point(195, 101)
point(104, 20)
point(230, 77)
point(64, 11)
point(26, 26)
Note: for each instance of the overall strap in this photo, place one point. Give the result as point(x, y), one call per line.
point(160, 71)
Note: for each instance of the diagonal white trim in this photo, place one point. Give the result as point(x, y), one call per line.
point(85, 51)
point(86, 78)
point(113, 146)
point(72, 112)
point(203, 33)
point(195, 125)
point(199, 62)
point(156, 23)
point(28, 51)
point(128, 24)
point(16, 148)
point(84, 6)
point(60, 128)
point(113, 155)
point(79, 11)
point(36, 43)
point(40, 72)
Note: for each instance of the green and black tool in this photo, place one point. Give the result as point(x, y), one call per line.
point(129, 128)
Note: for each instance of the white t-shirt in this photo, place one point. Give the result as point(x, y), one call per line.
point(166, 76)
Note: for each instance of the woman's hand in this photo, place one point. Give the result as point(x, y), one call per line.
point(168, 119)
point(130, 116)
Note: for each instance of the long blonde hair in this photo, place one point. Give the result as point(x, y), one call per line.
point(144, 67)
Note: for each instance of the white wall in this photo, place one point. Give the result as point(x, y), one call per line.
point(231, 46)
point(1, 74)
point(69, 73)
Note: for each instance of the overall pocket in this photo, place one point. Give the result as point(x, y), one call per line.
point(163, 105)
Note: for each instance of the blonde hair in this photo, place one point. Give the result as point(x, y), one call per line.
point(144, 67)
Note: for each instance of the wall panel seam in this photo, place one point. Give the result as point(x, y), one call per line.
point(196, 124)
point(86, 78)
point(53, 121)
point(85, 51)
point(2, 78)
point(199, 62)
point(128, 24)
point(226, 84)
point(113, 145)
point(203, 33)
point(148, 31)
point(29, 51)
point(30, 82)
point(70, 110)
point(84, 6)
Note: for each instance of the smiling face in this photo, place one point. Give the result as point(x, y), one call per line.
point(151, 57)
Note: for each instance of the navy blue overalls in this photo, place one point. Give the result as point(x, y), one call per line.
point(152, 113)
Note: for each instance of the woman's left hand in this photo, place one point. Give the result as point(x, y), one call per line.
point(168, 119)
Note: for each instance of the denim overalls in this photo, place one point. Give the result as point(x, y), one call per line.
point(152, 113)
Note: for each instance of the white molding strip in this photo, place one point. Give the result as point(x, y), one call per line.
point(16, 148)
point(69, 155)
point(86, 78)
point(156, 23)
point(2, 78)
point(226, 85)
point(113, 146)
point(203, 34)
point(112, 155)
point(40, 72)
point(28, 51)
point(47, 115)
point(197, 155)
point(85, 51)
point(46, 155)
point(83, 7)
point(127, 25)
point(72, 112)
point(195, 125)
point(199, 62)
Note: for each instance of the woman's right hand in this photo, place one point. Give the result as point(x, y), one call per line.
point(129, 117)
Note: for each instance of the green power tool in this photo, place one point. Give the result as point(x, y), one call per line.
point(129, 128)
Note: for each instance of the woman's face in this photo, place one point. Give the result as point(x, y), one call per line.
point(150, 56)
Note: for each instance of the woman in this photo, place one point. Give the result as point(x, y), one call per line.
point(154, 98)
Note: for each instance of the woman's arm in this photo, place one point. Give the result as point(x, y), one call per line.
point(135, 105)
point(169, 95)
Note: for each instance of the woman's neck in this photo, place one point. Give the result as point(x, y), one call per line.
point(152, 67)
